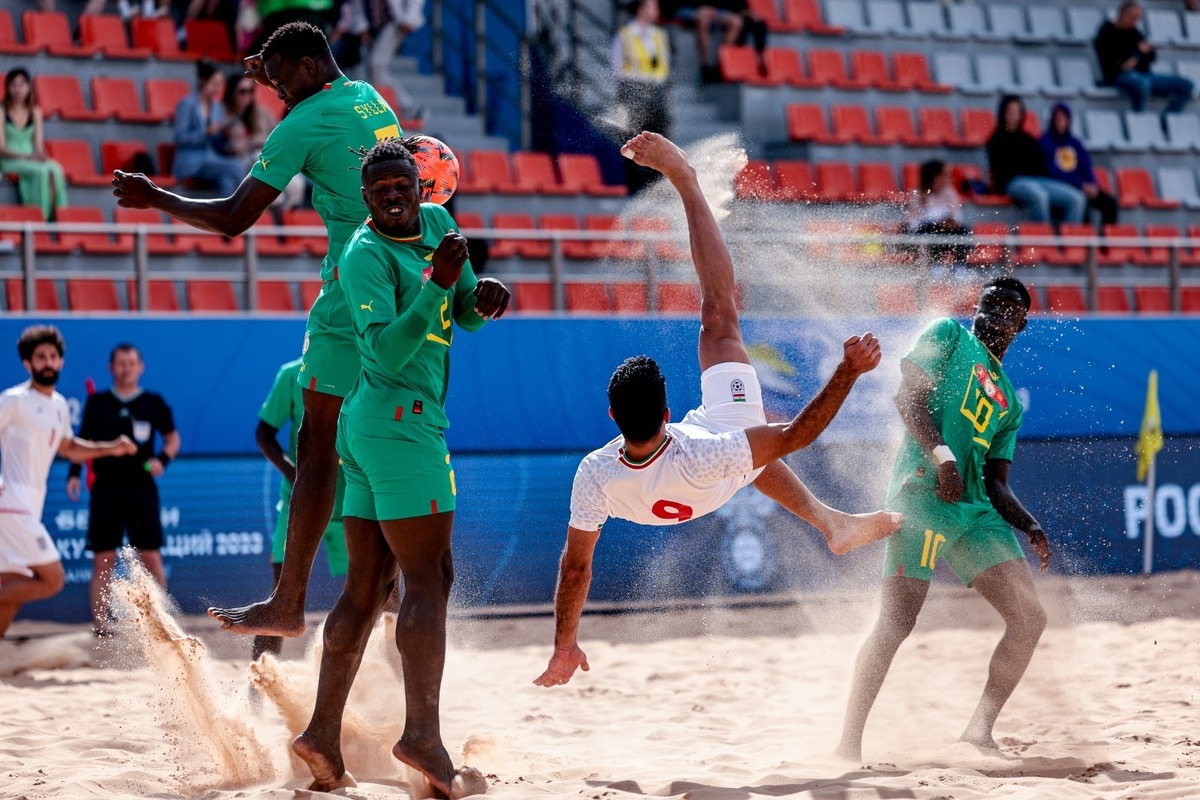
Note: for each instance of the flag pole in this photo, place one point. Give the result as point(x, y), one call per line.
point(1148, 547)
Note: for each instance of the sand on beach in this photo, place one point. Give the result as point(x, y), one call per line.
point(707, 702)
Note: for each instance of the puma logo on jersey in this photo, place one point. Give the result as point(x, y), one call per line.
point(264, 162)
point(366, 307)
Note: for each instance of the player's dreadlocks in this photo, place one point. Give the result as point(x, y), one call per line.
point(387, 150)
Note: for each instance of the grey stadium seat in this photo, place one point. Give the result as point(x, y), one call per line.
point(1144, 132)
point(966, 22)
point(1165, 27)
point(994, 75)
point(886, 17)
point(1184, 130)
point(1178, 183)
point(1191, 27)
point(1046, 23)
point(1076, 73)
point(1083, 22)
point(1189, 70)
point(1104, 131)
point(1008, 22)
point(846, 14)
point(926, 19)
point(954, 69)
point(1035, 74)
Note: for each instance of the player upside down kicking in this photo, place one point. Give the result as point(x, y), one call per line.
point(660, 473)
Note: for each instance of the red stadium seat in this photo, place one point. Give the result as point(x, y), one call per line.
point(611, 248)
point(1117, 255)
point(739, 64)
point(62, 96)
point(275, 297)
point(629, 298)
point(807, 15)
point(1104, 180)
point(877, 184)
point(957, 301)
point(1189, 299)
point(45, 300)
point(1160, 255)
point(163, 96)
point(532, 297)
point(490, 172)
point(313, 245)
point(784, 66)
point(106, 32)
point(524, 248)
point(894, 125)
point(534, 174)
point(581, 175)
point(468, 219)
point(896, 299)
point(120, 155)
point(1030, 254)
point(75, 155)
point(910, 177)
point(1065, 300)
point(157, 244)
point(158, 35)
point(988, 254)
point(851, 124)
point(794, 180)
point(118, 97)
point(588, 297)
point(977, 126)
point(666, 250)
point(96, 242)
point(806, 123)
point(8, 37)
point(1190, 256)
point(571, 248)
point(1112, 300)
point(1070, 254)
point(678, 298)
point(309, 292)
point(768, 12)
point(835, 182)
point(90, 294)
point(209, 37)
point(163, 296)
point(1135, 188)
point(207, 244)
point(1152, 299)
point(211, 296)
point(938, 127)
point(42, 242)
point(828, 68)
point(870, 69)
point(272, 245)
point(50, 31)
point(912, 73)
point(754, 182)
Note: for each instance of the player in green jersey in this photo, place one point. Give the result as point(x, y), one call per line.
point(408, 281)
point(950, 480)
point(328, 117)
point(285, 406)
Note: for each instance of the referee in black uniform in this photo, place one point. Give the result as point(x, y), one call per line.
point(124, 496)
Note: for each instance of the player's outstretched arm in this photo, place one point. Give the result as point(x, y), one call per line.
point(574, 579)
point(228, 216)
point(77, 449)
point(995, 481)
point(774, 441)
point(912, 401)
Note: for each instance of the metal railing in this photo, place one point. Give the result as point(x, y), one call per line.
point(859, 256)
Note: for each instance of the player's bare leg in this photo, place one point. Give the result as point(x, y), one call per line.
point(102, 567)
point(17, 589)
point(843, 532)
point(268, 644)
point(347, 630)
point(1010, 590)
point(900, 605)
point(152, 561)
point(421, 546)
point(282, 614)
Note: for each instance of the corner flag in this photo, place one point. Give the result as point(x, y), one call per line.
point(1150, 440)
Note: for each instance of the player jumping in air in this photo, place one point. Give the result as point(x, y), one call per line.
point(660, 473)
point(329, 117)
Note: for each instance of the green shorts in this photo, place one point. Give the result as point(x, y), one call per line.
point(334, 538)
point(394, 470)
point(330, 359)
point(970, 536)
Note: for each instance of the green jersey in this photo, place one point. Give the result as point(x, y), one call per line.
point(973, 404)
point(317, 139)
point(284, 404)
point(403, 321)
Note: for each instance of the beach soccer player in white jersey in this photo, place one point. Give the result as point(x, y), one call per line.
point(35, 424)
point(660, 473)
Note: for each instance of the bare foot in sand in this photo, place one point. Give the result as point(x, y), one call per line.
point(271, 617)
point(325, 764)
point(428, 758)
point(849, 752)
point(660, 153)
point(982, 740)
point(844, 532)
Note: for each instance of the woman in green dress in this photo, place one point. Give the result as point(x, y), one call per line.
point(23, 148)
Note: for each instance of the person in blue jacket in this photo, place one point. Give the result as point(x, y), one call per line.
point(1067, 160)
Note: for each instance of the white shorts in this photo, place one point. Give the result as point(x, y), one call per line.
point(731, 399)
point(24, 543)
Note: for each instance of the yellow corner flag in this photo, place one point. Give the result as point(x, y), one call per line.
point(1150, 440)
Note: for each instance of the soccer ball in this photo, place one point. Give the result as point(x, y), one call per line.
point(437, 167)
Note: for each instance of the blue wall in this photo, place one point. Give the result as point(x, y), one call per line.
point(527, 400)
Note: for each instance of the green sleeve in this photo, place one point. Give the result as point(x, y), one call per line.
point(934, 346)
point(284, 154)
point(1004, 443)
point(277, 408)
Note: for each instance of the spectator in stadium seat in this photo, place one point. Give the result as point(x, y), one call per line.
point(129, 9)
point(1018, 170)
point(1125, 58)
point(247, 124)
point(704, 16)
point(640, 60)
point(936, 209)
point(199, 134)
point(40, 180)
point(1067, 160)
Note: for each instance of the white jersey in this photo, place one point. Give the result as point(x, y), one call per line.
point(32, 426)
